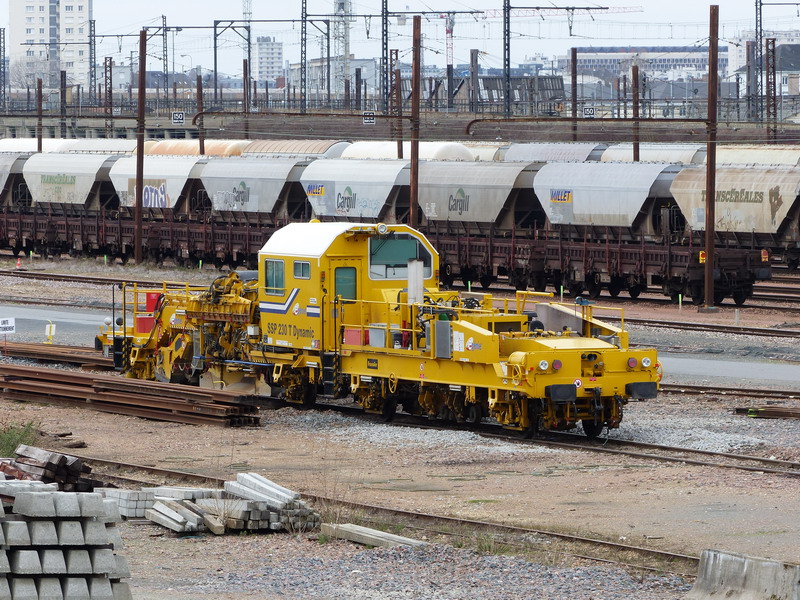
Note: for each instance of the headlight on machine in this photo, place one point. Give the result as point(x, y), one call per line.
point(544, 365)
point(646, 362)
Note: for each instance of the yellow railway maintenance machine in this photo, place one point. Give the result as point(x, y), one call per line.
point(345, 308)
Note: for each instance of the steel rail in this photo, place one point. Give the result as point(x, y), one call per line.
point(692, 389)
point(185, 476)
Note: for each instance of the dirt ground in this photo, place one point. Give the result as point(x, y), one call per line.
point(668, 506)
point(673, 507)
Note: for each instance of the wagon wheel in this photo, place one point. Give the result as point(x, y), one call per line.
point(486, 281)
point(539, 282)
point(696, 293)
point(614, 287)
point(740, 296)
point(634, 291)
point(719, 296)
point(594, 290)
point(575, 289)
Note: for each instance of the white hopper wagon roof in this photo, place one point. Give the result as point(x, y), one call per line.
point(596, 193)
point(544, 152)
point(464, 192)
point(164, 179)
point(251, 184)
point(296, 148)
point(427, 151)
point(668, 153)
point(352, 188)
point(748, 199)
point(64, 178)
point(777, 154)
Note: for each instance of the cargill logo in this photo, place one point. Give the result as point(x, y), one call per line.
point(459, 203)
point(564, 196)
point(346, 200)
point(315, 189)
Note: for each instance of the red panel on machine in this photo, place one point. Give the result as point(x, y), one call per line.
point(151, 301)
point(144, 324)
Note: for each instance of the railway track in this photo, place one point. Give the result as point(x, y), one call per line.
point(439, 527)
point(776, 294)
point(675, 388)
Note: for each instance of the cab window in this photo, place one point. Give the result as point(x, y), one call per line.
point(274, 284)
point(389, 256)
point(302, 269)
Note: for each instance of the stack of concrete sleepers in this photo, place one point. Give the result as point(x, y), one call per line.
point(132, 504)
point(286, 509)
point(252, 503)
point(60, 546)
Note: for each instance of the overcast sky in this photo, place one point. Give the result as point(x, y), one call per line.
point(660, 22)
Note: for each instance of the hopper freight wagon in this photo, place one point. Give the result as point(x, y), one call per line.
point(584, 225)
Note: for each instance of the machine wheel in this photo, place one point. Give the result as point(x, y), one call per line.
point(740, 296)
point(533, 420)
point(592, 429)
point(310, 394)
point(388, 409)
point(474, 414)
point(634, 291)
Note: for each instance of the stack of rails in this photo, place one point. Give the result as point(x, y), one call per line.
point(88, 358)
point(110, 393)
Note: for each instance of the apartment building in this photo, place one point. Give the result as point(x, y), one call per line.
point(46, 37)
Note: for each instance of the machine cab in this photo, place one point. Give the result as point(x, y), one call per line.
point(306, 269)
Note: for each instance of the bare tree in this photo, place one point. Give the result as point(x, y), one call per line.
point(25, 70)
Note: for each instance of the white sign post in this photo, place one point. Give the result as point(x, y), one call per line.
point(7, 326)
point(178, 117)
point(588, 112)
point(369, 117)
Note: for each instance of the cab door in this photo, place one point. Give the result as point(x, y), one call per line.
point(346, 279)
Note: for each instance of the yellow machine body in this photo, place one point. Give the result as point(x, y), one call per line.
point(342, 308)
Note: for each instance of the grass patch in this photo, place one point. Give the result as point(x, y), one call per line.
point(479, 501)
point(14, 434)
